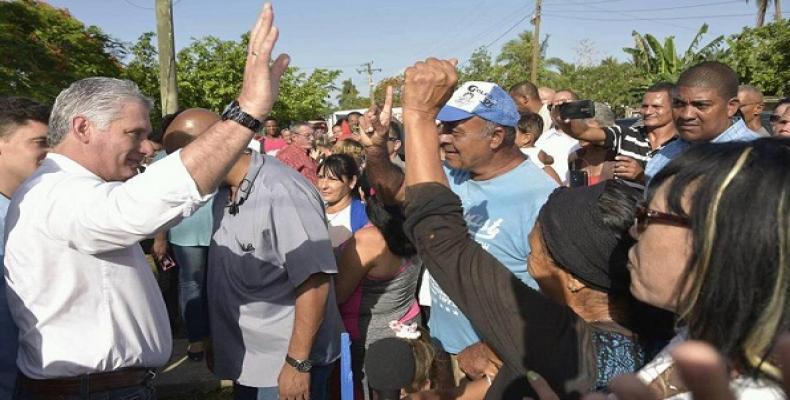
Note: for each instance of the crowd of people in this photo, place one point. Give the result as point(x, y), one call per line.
point(493, 244)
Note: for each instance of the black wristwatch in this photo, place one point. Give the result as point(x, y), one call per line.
point(234, 112)
point(300, 365)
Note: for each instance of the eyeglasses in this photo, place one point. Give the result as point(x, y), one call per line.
point(392, 139)
point(774, 118)
point(645, 216)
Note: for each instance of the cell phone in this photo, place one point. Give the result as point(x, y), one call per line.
point(166, 262)
point(578, 178)
point(580, 109)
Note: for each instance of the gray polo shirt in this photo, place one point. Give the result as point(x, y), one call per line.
point(257, 259)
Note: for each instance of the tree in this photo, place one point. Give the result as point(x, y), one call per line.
point(515, 59)
point(762, 9)
point(759, 56)
point(143, 69)
point(349, 97)
point(480, 67)
point(380, 91)
point(44, 49)
point(210, 74)
point(659, 62)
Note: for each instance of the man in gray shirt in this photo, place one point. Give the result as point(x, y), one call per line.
point(275, 326)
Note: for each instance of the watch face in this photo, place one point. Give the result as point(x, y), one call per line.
point(305, 366)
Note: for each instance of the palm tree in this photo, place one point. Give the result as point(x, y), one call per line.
point(762, 9)
point(662, 62)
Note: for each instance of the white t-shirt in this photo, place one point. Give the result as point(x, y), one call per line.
point(339, 226)
point(559, 146)
point(744, 388)
point(533, 154)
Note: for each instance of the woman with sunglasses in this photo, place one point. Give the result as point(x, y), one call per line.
point(724, 272)
point(725, 275)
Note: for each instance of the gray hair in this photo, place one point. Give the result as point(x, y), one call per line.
point(98, 99)
point(298, 124)
point(510, 132)
point(604, 116)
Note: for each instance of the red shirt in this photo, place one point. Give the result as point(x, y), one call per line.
point(297, 158)
point(272, 144)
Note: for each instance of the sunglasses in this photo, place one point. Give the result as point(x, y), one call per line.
point(774, 118)
point(645, 216)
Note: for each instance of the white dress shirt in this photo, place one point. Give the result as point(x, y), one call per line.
point(79, 286)
point(559, 146)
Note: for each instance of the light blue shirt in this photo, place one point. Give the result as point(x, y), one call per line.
point(194, 230)
point(8, 331)
point(737, 132)
point(500, 213)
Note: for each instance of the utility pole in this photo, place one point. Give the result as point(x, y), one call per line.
point(533, 73)
point(369, 70)
point(168, 90)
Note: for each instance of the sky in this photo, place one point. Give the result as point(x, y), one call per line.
point(343, 34)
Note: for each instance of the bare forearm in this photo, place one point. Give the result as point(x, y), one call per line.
point(209, 158)
point(311, 298)
point(422, 151)
point(385, 176)
point(579, 129)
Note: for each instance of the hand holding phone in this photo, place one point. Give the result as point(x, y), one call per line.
point(579, 109)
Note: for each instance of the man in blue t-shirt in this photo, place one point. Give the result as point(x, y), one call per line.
point(23, 144)
point(500, 189)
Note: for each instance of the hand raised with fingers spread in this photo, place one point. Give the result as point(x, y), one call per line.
point(375, 123)
point(428, 85)
point(262, 78)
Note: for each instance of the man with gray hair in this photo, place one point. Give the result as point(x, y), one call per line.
point(296, 155)
point(91, 319)
point(752, 105)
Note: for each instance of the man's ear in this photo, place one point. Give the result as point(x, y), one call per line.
point(397, 145)
point(497, 137)
point(732, 106)
point(82, 128)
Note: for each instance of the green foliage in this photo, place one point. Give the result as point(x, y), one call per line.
point(349, 97)
point(480, 67)
point(380, 91)
point(760, 57)
point(659, 62)
point(210, 74)
point(44, 49)
point(143, 69)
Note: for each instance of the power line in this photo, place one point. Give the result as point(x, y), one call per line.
point(657, 9)
point(146, 8)
point(491, 28)
point(507, 31)
point(585, 3)
point(697, 17)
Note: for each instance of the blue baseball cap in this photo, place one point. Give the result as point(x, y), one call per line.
point(483, 99)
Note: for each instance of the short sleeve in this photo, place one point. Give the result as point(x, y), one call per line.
point(300, 234)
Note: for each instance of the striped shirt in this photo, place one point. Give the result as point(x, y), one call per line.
point(631, 142)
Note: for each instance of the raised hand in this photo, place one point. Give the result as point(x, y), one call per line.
point(428, 85)
point(375, 123)
point(262, 78)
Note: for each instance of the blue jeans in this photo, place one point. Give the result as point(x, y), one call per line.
point(143, 392)
point(319, 387)
point(191, 261)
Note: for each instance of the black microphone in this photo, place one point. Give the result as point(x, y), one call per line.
point(389, 367)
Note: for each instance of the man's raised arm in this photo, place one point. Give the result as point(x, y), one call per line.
point(211, 155)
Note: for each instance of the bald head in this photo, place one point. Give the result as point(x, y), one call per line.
point(546, 94)
point(186, 126)
point(711, 75)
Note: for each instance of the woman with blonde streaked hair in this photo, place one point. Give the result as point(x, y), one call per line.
point(713, 248)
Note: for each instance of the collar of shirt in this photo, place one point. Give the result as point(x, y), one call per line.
point(69, 165)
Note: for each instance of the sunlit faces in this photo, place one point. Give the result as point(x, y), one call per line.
point(656, 109)
point(121, 148)
point(303, 137)
point(464, 143)
point(270, 128)
point(542, 267)
point(701, 113)
point(659, 258)
point(332, 188)
point(23, 149)
point(781, 123)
